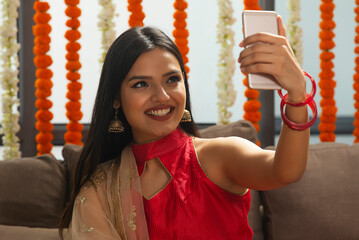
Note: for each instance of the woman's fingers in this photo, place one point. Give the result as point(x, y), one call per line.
point(264, 68)
point(256, 48)
point(275, 60)
point(263, 63)
point(264, 38)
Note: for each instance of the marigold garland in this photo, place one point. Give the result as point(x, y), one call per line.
point(180, 32)
point(43, 82)
point(252, 106)
point(73, 134)
point(9, 79)
point(327, 83)
point(251, 5)
point(356, 77)
point(226, 63)
point(137, 15)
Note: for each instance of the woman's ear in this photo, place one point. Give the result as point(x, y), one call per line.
point(116, 103)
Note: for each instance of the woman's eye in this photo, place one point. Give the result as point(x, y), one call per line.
point(140, 84)
point(173, 79)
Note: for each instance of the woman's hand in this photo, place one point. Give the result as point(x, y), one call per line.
point(272, 54)
point(235, 163)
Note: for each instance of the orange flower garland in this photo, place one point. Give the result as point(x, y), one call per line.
point(137, 15)
point(180, 33)
point(251, 5)
point(252, 106)
point(43, 82)
point(326, 83)
point(356, 77)
point(73, 106)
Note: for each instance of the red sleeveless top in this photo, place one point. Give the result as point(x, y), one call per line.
point(191, 206)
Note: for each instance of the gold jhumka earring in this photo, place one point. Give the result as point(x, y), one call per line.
point(186, 117)
point(116, 125)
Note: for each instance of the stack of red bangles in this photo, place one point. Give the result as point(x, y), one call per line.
point(308, 101)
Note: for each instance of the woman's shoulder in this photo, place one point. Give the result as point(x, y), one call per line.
point(219, 143)
point(102, 173)
point(106, 166)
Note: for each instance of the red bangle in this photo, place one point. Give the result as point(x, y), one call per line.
point(309, 98)
point(299, 126)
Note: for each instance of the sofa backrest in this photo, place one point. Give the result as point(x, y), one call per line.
point(240, 128)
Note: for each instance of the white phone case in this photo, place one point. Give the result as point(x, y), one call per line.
point(255, 22)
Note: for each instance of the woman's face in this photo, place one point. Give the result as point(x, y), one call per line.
point(153, 95)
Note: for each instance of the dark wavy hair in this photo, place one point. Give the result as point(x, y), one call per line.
point(100, 145)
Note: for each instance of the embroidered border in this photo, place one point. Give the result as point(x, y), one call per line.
point(99, 177)
point(116, 199)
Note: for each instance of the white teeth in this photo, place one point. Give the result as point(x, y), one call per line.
point(159, 113)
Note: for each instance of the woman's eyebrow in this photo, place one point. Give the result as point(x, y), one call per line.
point(171, 72)
point(139, 77)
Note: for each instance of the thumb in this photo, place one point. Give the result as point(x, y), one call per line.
point(281, 29)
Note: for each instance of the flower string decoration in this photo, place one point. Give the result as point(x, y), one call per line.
point(73, 65)
point(180, 33)
point(137, 15)
point(252, 106)
point(9, 79)
point(327, 83)
point(294, 31)
point(226, 63)
point(106, 25)
point(356, 77)
point(43, 81)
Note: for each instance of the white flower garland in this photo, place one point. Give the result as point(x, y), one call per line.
point(226, 63)
point(106, 25)
point(9, 78)
point(294, 31)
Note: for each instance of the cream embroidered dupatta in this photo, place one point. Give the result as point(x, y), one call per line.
point(110, 206)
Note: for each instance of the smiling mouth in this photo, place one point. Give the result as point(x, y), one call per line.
point(160, 112)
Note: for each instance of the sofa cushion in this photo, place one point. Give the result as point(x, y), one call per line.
point(324, 203)
point(240, 128)
point(255, 215)
point(26, 233)
point(32, 191)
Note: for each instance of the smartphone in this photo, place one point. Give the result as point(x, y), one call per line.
point(255, 22)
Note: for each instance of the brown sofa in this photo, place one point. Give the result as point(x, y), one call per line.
point(322, 205)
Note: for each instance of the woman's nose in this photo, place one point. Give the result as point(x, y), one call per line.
point(160, 95)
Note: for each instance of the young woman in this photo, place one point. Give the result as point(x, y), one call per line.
point(145, 174)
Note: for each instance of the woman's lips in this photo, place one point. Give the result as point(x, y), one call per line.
point(160, 113)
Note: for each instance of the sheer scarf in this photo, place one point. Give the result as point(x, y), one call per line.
point(110, 206)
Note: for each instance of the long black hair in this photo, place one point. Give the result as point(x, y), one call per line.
point(100, 145)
